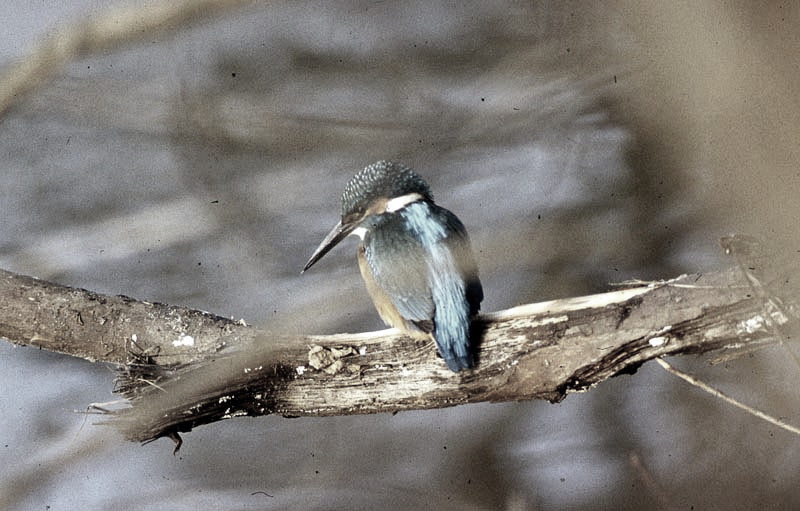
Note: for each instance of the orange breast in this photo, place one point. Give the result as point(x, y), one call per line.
point(386, 309)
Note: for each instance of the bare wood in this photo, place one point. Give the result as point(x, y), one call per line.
point(106, 328)
point(183, 368)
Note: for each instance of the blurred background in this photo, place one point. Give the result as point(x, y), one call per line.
point(580, 144)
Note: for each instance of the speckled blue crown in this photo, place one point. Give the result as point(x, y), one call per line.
point(381, 179)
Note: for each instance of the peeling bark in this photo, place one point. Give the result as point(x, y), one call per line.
point(181, 368)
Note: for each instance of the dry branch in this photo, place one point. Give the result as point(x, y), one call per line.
point(182, 368)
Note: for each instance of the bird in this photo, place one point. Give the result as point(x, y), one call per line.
point(415, 258)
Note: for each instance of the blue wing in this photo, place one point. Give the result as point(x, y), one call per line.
point(426, 267)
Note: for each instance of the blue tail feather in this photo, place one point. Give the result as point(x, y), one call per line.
point(452, 338)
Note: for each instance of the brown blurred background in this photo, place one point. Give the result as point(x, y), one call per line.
point(581, 145)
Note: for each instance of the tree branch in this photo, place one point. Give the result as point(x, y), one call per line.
point(182, 368)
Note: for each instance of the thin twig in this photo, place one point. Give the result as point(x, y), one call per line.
point(714, 392)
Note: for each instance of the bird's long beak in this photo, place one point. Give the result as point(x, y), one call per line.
point(337, 234)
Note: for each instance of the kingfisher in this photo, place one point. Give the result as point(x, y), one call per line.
point(415, 258)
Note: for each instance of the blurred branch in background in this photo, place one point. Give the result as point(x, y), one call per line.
point(184, 368)
point(113, 27)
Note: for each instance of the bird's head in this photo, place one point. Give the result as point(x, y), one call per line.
point(381, 187)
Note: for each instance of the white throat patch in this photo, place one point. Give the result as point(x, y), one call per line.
point(360, 232)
